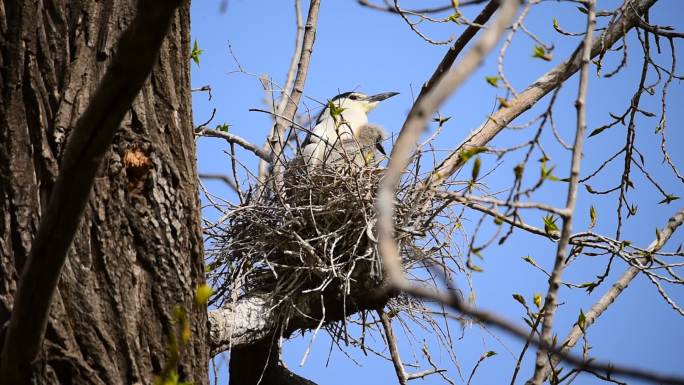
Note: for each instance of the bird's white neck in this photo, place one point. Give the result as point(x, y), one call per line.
point(349, 122)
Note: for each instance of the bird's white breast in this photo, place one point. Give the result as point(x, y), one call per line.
point(329, 131)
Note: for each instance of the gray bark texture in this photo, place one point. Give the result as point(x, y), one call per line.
point(138, 251)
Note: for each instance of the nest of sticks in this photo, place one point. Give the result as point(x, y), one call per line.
point(318, 235)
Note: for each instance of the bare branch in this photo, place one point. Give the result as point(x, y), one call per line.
point(394, 351)
point(89, 141)
point(415, 124)
point(232, 184)
point(621, 284)
point(367, 3)
point(274, 135)
point(452, 300)
point(298, 88)
point(542, 86)
point(455, 50)
point(231, 138)
point(577, 149)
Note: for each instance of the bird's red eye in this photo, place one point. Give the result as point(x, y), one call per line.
point(353, 97)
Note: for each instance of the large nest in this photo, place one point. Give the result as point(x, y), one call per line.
point(317, 235)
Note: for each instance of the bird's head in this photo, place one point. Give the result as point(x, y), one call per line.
point(357, 100)
point(371, 136)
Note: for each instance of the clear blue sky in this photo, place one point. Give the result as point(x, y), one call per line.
point(360, 49)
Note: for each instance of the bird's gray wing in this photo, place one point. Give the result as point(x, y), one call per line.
point(346, 151)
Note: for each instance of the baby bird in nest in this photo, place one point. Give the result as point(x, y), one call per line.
point(361, 150)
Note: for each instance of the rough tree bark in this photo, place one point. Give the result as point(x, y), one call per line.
point(138, 251)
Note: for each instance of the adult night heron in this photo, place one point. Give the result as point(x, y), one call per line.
point(340, 120)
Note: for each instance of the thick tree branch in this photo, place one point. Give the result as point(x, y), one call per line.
point(455, 50)
point(276, 136)
point(277, 143)
point(413, 127)
point(89, 141)
point(542, 86)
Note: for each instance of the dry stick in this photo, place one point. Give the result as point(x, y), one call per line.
point(578, 147)
point(463, 3)
point(621, 284)
point(222, 178)
point(232, 138)
point(455, 50)
point(392, 344)
point(279, 136)
point(298, 88)
point(542, 86)
point(402, 376)
point(413, 127)
point(89, 141)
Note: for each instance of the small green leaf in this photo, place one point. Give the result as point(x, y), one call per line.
point(195, 53)
point(474, 268)
point(489, 354)
point(455, 17)
point(441, 120)
point(503, 102)
point(597, 131)
point(476, 169)
point(581, 320)
point(518, 170)
point(223, 127)
point(202, 294)
point(668, 199)
point(590, 286)
point(632, 210)
point(519, 298)
point(493, 80)
point(540, 53)
point(470, 152)
point(335, 111)
point(529, 260)
point(537, 300)
point(592, 216)
point(550, 224)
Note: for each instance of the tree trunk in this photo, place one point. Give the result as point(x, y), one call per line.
point(138, 251)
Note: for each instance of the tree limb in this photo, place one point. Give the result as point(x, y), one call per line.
point(279, 136)
point(89, 141)
point(295, 96)
point(413, 127)
point(232, 138)
point(542, 86)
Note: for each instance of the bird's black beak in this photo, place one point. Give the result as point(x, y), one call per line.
point(381, 97)
point(378, 145)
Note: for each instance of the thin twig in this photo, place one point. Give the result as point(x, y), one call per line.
point(621, 284)
point(577, 149)
point(232, 138)
point(542, 86)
